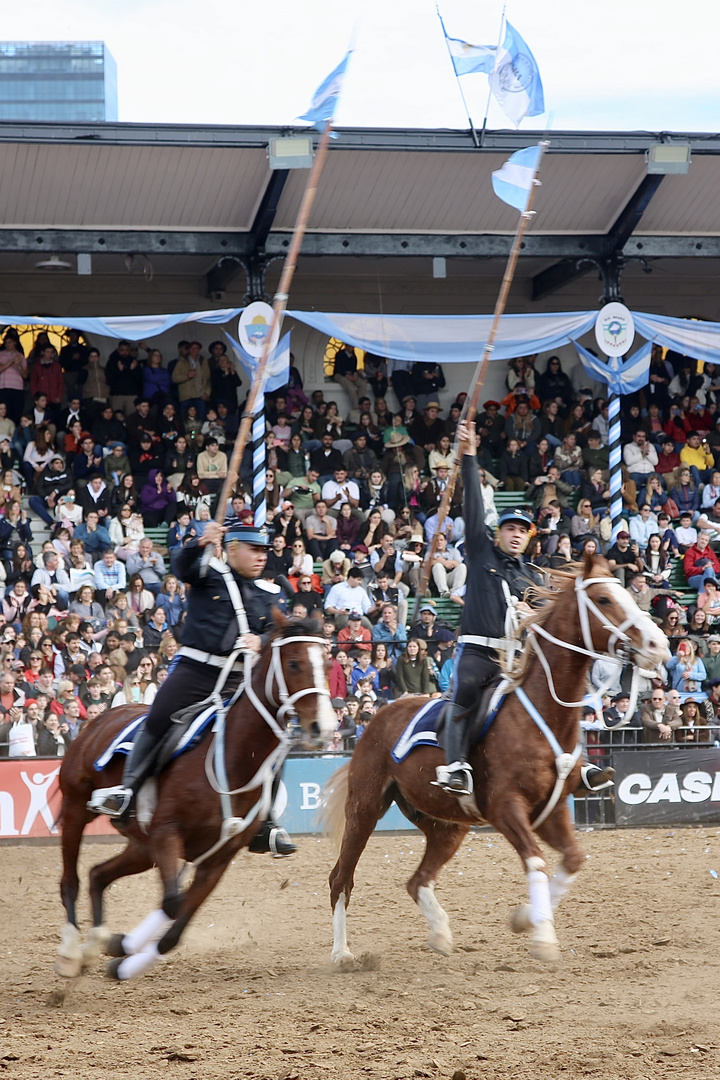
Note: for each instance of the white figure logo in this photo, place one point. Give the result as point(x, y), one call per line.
point(38, 787)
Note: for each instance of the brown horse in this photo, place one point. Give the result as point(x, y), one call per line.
point(521, 775)
point(207, 808)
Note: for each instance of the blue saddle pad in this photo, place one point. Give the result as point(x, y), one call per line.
point(123, 741)
point(422, 729)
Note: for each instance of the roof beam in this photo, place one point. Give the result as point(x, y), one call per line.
point(218, 279)
point(370, 245)
point(555, 277)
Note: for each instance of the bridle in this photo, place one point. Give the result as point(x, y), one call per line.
point(620, 649)
point(215, 764)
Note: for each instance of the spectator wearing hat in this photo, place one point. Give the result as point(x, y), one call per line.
point(712, 661)
point(624, 558)
point(617, 715)
point(425, 629)
point(428, 429)
point(348, 596)
point(408, 563)
point(491, 427)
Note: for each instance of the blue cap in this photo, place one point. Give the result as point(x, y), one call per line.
point(516, 513)
point(248, 534)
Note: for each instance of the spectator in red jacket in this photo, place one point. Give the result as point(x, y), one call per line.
point(46, 376)
point(701, 563)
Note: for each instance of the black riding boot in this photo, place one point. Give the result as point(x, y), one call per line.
point(116, 802)
point(271, 837)
point(456, 776)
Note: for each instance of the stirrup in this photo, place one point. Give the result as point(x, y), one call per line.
point(273, 839)
point(455, 779)
point(112, 801)
point(595, 778)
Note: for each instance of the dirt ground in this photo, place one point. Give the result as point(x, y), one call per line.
point(251, 992)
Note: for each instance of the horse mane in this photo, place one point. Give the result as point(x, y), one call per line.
point(294, 628)
point(545, 597)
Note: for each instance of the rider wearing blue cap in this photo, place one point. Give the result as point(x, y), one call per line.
point(228, 609)
point(497, 582)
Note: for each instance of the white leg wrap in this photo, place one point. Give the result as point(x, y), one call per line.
point(560, 882)
point(150, 929)
point(69, 959)
point(437, 919)
point(340, 950)
point(94, 944)
point(132, 966)
point(539, 892)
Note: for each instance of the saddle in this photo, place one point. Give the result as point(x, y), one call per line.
point(425, 727)
point(186, 731)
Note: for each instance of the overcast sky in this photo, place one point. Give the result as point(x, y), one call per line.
point(620, 65)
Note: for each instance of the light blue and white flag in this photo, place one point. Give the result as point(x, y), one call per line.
point(513, 183)
point(515, 80)
point(469, 58)
point(620, 377)
point(277, 369)
point(325, 99)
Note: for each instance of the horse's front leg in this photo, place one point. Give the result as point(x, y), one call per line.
point(511, 819)
point(559, 833)
point(139, 950)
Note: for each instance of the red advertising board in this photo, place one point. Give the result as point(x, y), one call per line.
point(30, 800)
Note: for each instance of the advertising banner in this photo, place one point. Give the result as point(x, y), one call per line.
point(677, 786)
point(30, 798)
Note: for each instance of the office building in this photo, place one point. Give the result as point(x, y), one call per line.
point(64, 81)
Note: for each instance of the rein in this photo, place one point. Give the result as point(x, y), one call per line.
point(215, 763)
point(586, 607)
point(565, 762)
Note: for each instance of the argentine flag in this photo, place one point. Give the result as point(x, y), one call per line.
point(324, 101)
point(515, 80)
point(277, 369)
point(469, 58)
point(513, 183)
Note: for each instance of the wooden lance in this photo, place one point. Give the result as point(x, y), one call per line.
point(279, 305)
point(471, 402)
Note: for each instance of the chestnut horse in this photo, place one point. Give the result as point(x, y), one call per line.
point(522, 774)
point(209, 805)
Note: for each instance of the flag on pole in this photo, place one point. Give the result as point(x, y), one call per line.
point(277, 369)
point(515, 80)
point(469, 58)
point(325, 99)
point(513, 183)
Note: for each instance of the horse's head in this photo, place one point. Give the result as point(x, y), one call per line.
point(610, 620)
point(296, 679)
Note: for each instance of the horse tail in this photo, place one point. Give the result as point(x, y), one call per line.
point(332, 810)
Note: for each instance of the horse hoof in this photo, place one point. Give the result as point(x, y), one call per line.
point(344, 960)
point(520, 919)
point(441, 944)
point(545, 951)
point(94, 945)
point(113, 969)
point(68, 967)
point(114, 946)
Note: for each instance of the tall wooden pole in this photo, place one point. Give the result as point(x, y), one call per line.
point(279, 305)
point(471, 402)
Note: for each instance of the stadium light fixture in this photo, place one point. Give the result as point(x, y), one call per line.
point(668, 158)
point(291, 152)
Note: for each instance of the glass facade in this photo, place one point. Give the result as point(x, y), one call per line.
point(65, 81)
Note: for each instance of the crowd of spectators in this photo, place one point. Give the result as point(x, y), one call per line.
point(115, 463)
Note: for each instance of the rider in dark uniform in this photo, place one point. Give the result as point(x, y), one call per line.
point(212, 631)
point(497, 582)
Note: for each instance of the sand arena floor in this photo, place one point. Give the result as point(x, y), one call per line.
point(251, 992)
